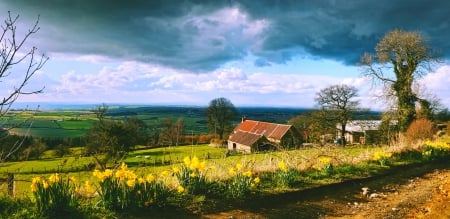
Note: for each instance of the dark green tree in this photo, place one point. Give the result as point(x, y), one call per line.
point(110, 140)
point(409, 57)
point(337, 104)
point(220, 115)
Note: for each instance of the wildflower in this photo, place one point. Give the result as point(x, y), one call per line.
point(131, 182)
point(195, 163)
point(120, 174)
point(165, 174)
point(203, 165)
point(36, 180)
point(176, 169)
point(324, 160)
point(231, 171)
point(54, 178)
point(33, 187)
point(108, 173)
point(247, 173)
point(139, 193)
point(187, 161)
point(72, 179)
point(89, 188)
point(193, 175)
point(150, 178)
point(180, 189)
point(282, 166)
point(238, 166)
point(252, 185)
point(141, 180)
point(45, 184)
point(123, 166)
point(257, 180)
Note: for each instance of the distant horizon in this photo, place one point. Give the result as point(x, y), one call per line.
point(87, 105)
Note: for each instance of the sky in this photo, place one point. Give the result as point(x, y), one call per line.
point(187, 52)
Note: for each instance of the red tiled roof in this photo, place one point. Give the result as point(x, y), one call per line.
point(269, 130)
point(245, 138)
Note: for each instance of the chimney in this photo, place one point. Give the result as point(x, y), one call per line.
point(244, 118)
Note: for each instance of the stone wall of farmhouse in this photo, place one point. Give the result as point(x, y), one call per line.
point(239, 147)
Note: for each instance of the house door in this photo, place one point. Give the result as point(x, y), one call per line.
point(234, 146)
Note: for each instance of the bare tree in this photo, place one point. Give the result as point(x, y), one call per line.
point(336, 101)
point(409, 57)
point(14, 53)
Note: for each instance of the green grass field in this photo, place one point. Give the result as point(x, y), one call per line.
point(156, 160)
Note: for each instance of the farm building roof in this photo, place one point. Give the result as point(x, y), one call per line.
point(245, 138)
point(269, 130)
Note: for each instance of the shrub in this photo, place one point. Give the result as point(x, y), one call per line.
point(16, 208)
point(420, 129)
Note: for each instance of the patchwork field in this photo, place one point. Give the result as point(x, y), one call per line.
point(76, 122)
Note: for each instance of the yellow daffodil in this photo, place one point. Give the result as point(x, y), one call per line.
point(282, 166)
point(131, 182)
point(195, 163)
point(247, 173)
point(33, 187)
point(164, 174)
point(180, 189)
point(176, 169)
point(187, 161)
point(53, 178)
point(150, 178)
point(256, 180)
point(238, 166)
point(231, 171)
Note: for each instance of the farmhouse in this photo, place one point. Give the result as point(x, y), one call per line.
point(250, 136)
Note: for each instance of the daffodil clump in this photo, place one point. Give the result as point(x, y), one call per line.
point(192, 175)
point(324, 166)
point(382, 157)
point(284, 175)
point(435, 149)
point(54, 193)
point(242, 182)
point(123, 189)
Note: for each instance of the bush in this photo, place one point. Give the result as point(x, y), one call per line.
point(16, 208)
point(420, 129)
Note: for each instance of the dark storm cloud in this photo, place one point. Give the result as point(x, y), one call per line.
point(195, 35)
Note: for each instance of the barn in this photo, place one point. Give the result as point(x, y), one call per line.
point(250, 136)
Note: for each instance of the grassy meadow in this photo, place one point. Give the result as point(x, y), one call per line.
point(156, 160)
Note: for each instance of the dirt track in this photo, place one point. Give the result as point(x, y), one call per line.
point(416, 191)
